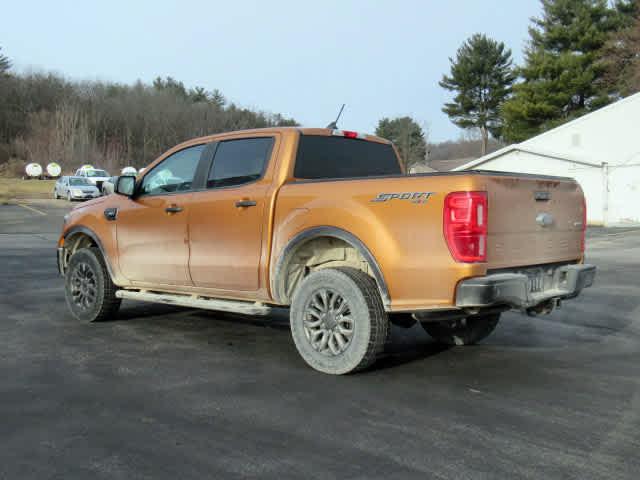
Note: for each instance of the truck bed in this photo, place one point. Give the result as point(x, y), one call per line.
point(407, 237)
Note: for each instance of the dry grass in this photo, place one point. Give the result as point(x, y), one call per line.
point(11, 188)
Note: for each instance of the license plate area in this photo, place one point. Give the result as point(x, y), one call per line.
point(540, 278)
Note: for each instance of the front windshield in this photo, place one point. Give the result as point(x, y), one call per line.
point(78, 181)
point(97, 173)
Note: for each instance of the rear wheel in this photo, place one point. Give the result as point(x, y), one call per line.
point(465, 331)
point(89, 291)
point(338, 322)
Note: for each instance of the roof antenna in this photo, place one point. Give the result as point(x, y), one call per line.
point(334, 125)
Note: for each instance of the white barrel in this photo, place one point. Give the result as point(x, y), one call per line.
point(54, 170)
point(33, 170)
point(129, 171)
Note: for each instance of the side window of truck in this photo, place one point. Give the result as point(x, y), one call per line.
point(239, 161)
point(174, 174)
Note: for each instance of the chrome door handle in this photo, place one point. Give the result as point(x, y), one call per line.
point(173, 209)
point(245, 203)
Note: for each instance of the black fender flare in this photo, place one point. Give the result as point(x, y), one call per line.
point(325, 231)
point(81, 230)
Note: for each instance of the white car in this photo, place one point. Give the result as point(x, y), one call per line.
point(95, 176)
point(75, 188)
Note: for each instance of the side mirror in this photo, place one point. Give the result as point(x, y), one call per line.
point(125, 185)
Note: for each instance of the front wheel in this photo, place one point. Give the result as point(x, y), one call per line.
point(338, 322)
point(465, 331)
point(89, 291)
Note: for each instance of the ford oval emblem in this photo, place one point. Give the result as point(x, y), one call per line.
point(544, 219)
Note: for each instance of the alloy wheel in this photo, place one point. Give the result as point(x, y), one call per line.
point(84, 286)
point(328, 324)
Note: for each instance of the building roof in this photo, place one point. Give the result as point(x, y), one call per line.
point(448, 164)
point(522, 147)
point(529, 145)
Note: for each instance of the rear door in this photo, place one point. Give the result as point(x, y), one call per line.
point(152, 230)
point(533, 220)
point(226, 220)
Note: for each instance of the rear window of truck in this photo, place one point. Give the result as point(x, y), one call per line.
point(322, 157)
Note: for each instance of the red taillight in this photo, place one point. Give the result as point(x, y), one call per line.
point(465, 225)
point(348, 134)
point(584, 223)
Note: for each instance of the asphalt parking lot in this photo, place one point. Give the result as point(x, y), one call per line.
point(165, 392)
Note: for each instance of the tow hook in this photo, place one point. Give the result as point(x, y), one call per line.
point(544, 308)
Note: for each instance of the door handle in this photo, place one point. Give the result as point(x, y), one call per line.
point(173, 209)
point(245, 203)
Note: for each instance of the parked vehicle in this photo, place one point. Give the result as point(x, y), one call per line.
point(108, 186)
point(94, 175)
point(32, 171)
point(53, 170)
point(75, 188)
point(326, 222)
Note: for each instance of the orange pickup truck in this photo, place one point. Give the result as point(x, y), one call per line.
point(327, 223)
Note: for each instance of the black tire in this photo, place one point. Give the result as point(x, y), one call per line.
point(89, 291)
point(354, 321)
point(466, 331)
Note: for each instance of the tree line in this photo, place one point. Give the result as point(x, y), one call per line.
point(581, 55)
point(46, 118)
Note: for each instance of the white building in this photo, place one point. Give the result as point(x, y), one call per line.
point(600, 150)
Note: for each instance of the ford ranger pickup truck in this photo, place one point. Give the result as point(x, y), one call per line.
point(327, 223)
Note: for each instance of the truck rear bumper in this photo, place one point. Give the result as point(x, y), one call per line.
point(525, 290)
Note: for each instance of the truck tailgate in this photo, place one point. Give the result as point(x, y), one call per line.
point(533, 220)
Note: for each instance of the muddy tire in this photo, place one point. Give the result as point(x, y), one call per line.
point(89, 291)
point(466, 331)
point(338, 322)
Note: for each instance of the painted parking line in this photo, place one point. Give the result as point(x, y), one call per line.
point(31, 208)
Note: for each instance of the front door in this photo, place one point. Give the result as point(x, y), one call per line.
point(226, 220)
point(151, 228)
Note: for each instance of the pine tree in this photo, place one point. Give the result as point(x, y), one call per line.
point(5, 63)
point(481, 75)
point(407, 136)
point(561, 78)
point(620, 57)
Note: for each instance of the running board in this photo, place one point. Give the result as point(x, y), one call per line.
point(196, 301)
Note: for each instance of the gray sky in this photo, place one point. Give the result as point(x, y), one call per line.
point(300, 58)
